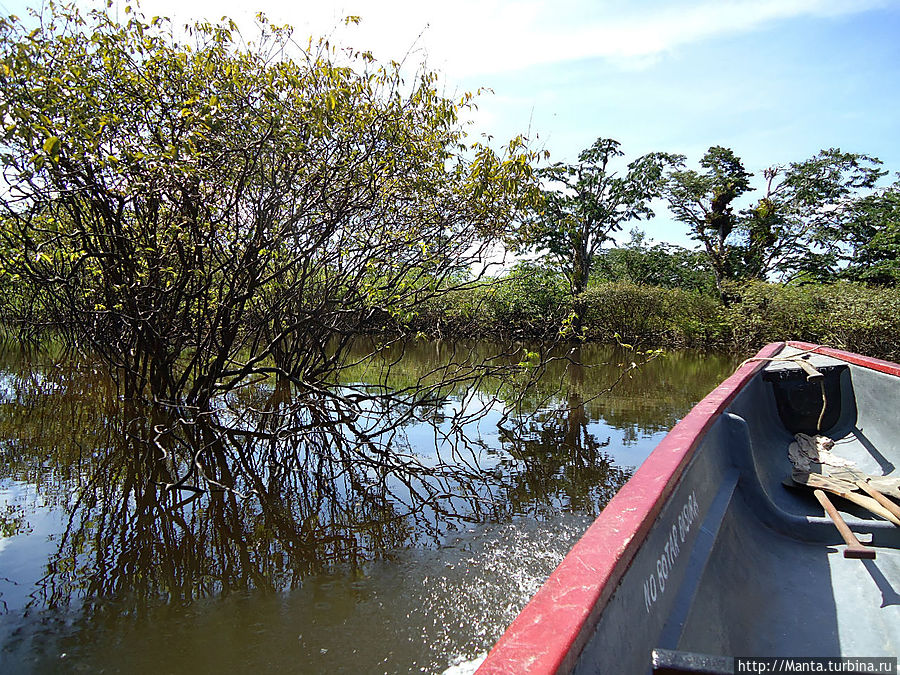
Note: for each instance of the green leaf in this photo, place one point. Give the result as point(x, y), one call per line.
point(51, 147)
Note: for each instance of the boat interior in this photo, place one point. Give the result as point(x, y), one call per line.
point(773, 580)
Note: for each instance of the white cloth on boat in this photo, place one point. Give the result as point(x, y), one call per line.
point(806, 450)
point(812, 454)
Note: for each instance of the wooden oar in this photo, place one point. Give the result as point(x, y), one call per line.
point(845, 490)
point(878, 497)
point(854, 548)
point(888, 486)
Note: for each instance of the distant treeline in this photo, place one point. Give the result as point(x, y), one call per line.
point(808, 250)
point(665, 296)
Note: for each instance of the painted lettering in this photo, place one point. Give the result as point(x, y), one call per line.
point(655, 583)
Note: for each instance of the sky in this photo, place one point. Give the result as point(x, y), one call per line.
point(775, 80)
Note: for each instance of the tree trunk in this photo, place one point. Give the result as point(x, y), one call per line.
point(578, 285)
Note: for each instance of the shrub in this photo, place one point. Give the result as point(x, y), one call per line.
point(650, 315)
point(529, 301)
point(844, 315)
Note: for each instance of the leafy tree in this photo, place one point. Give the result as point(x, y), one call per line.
point(666, 265)
point(584, 203)
point(799, 228)
point(202, 212)
point(874, 238)
point(191, 211)
point(704, 201)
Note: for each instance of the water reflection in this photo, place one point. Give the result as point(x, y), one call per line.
point(158, 521)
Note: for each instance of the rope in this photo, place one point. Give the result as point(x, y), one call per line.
point(824, 404)
point(795, 357)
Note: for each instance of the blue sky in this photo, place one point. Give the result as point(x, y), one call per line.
point(775, 80)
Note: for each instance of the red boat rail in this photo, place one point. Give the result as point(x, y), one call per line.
point(550, 632)
point(849, 357)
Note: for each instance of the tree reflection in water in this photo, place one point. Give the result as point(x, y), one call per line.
point(417, 515)
point(271, 486)
point(565, 466)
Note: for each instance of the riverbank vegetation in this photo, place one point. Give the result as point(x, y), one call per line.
point(811, 255)
point(524, 304)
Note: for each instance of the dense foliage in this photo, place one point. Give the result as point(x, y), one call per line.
point(667, 265)
point(704, 202)
point(771, 251)
point(846, 315)
point(216, 216)
point(874, 238)
point(204, 211)
point(584, 204)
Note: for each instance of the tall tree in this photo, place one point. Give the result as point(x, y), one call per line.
point(799, 226)
point(874, 238)
point(585, 203)
point(704, 201)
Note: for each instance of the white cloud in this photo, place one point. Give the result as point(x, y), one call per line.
point(631, 36)
point(468, 37)
point(465, 38)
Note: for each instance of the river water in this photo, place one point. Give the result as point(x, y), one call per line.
point(412, 566)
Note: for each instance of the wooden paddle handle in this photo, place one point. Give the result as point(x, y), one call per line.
point(836, 487)
point(854, 548)
point(867, 503)
point(880, 498)
point(810, 369)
